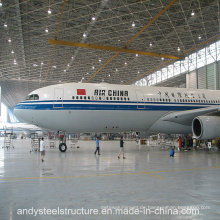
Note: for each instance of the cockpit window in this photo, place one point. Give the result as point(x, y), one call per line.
point(33, 97)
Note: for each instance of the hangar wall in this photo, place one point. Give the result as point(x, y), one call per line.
point(201, 69)
point(206, 77)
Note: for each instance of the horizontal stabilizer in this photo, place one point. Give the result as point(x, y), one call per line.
point(186, 117)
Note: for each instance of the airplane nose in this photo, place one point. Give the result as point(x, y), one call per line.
point(19, 112)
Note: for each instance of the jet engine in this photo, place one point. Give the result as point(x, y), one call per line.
point(206, 127)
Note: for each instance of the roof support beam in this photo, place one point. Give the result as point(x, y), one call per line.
point(110, 48)
point(133, 38)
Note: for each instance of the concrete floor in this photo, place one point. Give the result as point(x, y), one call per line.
point(78, 179)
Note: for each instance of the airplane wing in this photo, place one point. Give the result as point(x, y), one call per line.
point(186, 117)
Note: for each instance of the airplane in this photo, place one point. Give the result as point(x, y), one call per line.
point(20, 128)
point(108, 108)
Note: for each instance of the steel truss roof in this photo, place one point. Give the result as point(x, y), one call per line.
point(35, 63)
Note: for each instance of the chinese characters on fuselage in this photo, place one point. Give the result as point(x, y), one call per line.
point(182, 95)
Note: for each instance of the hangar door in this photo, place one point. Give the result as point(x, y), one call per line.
point(58, 98)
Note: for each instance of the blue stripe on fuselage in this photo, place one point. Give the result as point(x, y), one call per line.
point(116, 102)
point(93, 106)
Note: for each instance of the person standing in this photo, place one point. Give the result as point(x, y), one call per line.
point(121, 148)
point(42, 149)
point(180, 142)
point(172, 152)
point(97, 147)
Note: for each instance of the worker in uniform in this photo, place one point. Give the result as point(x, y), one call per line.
point(97, 147)
point(180, 142)
point(42, 149)
point(121, 149)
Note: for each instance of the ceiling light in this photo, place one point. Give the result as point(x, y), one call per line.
point(5, 25)
point(178, 48)
point(93, 67)
point(150, 44)
point(116, 70)
point(54, 67)
point(119, 40)
point(49, 11)
point(162, 58)
point(42, 63)
point(9, 40)
point(122, 81)
point(60, 81)
point(109, 75)
point(103, 80)
point(46, 30)
point(84, 34)
point(34, 65)
point(15, 61)
point(83, 78)
point(12, 51)
point(125, 63)
point(192, 13)
point(100, 60)
point(138, 72)
point(87, 73)
point(199, 37)
point(68, 65)
point(64, 70)
point(136, 55)
point(93, 18)
point(72, 57)
point(0, 4)
point(133, 24)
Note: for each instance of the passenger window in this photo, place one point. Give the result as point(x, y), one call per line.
point(121, 98)
point(84, 97)
point(118, 98)
point(72, 97)
point(100, 98)
point(114, 98)
point(77, 97)
point(125, 99)
point(81, 97)
point(110, 98)
point(128, 99)
point(88, 97)
point(106, 98)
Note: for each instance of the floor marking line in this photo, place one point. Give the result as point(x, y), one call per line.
point(152, 175)
point(65, 177)
point(149, 173)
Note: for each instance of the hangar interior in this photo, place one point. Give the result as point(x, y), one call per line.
point(165, 43)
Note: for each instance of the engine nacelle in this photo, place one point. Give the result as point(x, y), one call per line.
point(206, 127)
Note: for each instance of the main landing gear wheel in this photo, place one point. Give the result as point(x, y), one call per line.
point(62, 147)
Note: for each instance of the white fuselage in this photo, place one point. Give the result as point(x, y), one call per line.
point(82, 107)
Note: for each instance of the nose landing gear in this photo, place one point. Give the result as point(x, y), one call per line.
point(62, 147)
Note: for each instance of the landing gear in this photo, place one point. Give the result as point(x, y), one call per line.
point(62, 140)
point(62, 147)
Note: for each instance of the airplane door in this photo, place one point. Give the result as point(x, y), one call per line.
point(140, 100)
point(58, 98)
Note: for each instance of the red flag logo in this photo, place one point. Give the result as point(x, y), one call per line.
point(81, 92)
